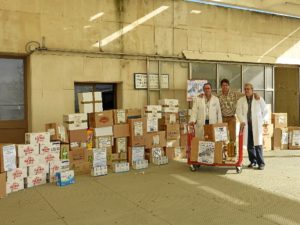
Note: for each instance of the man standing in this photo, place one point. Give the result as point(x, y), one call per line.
point(206, 110)
point(252, 115)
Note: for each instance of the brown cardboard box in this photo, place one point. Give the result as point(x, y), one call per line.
point(268, 130)
point(170, 153)
point(77, 135)
point(81, 167)
point(173, 143)
point(172, 131)
point(155, 139)
point(77, 154)
point(120, 116)
point(2, 185)
point(154, 152)
point(120, 145)
point(194, 149)
point(101, 119)
point(267, 143)
point(218, 152)
point(57, 132)
point(123, 156)
point(281, 138)
point(137, 132)
point(169, 118)
point(216, 132)
point(183, 128)
point(294, 138)
point(183, 140)
point(115, 156)
point(180, 153)
point(183, 116)
point(134, 113)
point(121, 130)
point(279, 120)
point(135, 153)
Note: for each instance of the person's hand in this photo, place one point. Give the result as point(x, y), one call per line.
point(201, 95)
point(256, 96)
point(242, 125)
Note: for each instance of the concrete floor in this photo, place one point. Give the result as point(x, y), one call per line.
point(168, 194)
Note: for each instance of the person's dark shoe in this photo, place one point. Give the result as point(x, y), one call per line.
point(261, 167)
point(251, 165)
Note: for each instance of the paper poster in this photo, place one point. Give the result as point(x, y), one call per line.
point(9, 157)
point(296, 138)
point(220, 133)
point(194, 88)
point(206, 152)
point(138, 128)
point(285, 138)
point(99, 157)
point(121, 117)
point(138, 153)
point(122, 143)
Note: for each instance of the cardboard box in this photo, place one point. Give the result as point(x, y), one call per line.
point(281, 138)
point(163, 160)
point(216, 132)
point(103, 141)
point(14, 186)
point(89, 139)
point(137, 132)
point(294, 138)
point(172, 131)
point(180, 153)
point(155, 139)
point(90, 102)
point(115, 156)
point(134, 113)
point(267, 143)
point(99, 157)
point(77, 154)
point(77, 135)
point(37, 138)
point(183, 128)
point(18, 173)
point(120, 167)
point(206, 151)
point(8, 155)
point(54, 167)
point(29, 160)
point(74, 145)
point(279, 120)
point(103, 131)
point(2, 185)
point(120, 116)
point(38, 169)
point(153, 111)
point(152, 124)
point(24, 150)
point(49, 157)
point(154, 153)
point(80, 167)
point(141, 164)
point(121, 130)
point(170, 153)
point(35, 180)
point(64, 152)
point(269, 109)
point(123, 156)
point(99, 171)
point(121, 145)
point(173, 143)
point(101, 119)
point(169, 118)
point(75, 121)
point(52, 147)
point(169, 105)
point(65, 178)
point(183, 140)
point(268, 130)
point(183, 116)
point(136, 153)
point(57, 132)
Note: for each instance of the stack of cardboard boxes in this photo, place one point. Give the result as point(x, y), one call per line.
point(281, 137)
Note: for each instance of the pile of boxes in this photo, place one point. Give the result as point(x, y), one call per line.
point(281, 137)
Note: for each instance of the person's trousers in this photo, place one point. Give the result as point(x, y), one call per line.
point(255, 153)
point(231, 121)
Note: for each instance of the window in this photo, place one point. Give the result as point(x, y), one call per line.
point(205, 71)
point(108, 93)
point(232, 72)
point(12, 89)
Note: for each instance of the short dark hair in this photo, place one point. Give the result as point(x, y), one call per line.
point(207, 84)
point(225, 81)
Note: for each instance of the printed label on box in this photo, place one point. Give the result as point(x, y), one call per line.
point(281, 119)
point(157, 152)
point(206, 152)
point(24, 150)
point(296, 138)
point(138, 128)
point(122, 145)
point(138, 153)
point(152, 125)
point(121, 116)
point(9, 157)
point(99, 157)
point(220, 134)
point(285, 138)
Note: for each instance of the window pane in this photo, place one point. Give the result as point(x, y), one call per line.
point(254, 75)
point(231, 72)
point(269, 97)
point(205, 71)
point(260, 93)
point(12, 89)
point(269, 77)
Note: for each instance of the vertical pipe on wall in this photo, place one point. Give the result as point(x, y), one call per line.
point(148, 94)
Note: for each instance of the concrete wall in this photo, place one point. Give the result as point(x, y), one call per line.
point(211, 33)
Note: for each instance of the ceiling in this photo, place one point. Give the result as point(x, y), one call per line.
point(287, 7)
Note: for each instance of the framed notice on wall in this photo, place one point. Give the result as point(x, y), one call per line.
point(141, 81)
point(194, 88)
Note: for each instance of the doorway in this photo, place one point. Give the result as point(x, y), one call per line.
point(13, 105)
point(287, 93)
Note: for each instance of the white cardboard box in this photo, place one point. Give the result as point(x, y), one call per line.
point(38, 169)
point(49, 157)
point(16, 174)
point(120, 167)
point(36, 180)
point(28, 149)
point(75, 121)
point(103, 141)
point(9, 157)
point(153, 111)
point(29, 160)
point(99, 171)
point(37, 138)
point(52, 147)
point(14, 185)
point(161, 160)
point(138, 153)
point(140, 164)
point(90, 102)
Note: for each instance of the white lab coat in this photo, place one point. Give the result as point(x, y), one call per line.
point(259, 115)
point(198, 114)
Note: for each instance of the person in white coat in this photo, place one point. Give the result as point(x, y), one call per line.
point(252, 115)
point(206, 110)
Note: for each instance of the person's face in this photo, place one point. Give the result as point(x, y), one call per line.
point(225, 87)
point(248, 91)
point(207, 90)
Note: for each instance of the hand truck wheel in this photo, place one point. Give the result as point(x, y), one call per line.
point(239, 169)
point(193, 168)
